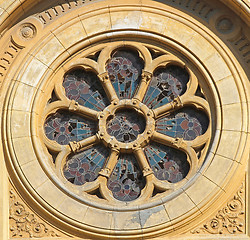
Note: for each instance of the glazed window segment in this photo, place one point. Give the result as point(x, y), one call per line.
point(186, 123)
point(167, 83)
point(126, 180)
point(167, 163)
point(126, 125)
point(85, 88)
point(124, 70)
point(84, 166)
point(64, 127)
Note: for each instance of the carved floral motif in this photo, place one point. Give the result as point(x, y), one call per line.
point(23, 223)
point(229, 220)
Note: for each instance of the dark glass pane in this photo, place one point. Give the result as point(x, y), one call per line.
point(124, 69)
point(85, 88)
point(126, 125)
point(167, 163)
point(166, 84)
point(64, 127)
point(186, 123)
point(84, 166)
point(126, 180)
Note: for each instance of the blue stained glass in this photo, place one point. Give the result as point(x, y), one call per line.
point(166, 84)
point(64, 127)
point(124, 69)
point(126, 180)
point(84, 166)
point(167, 163)
point(85, 88)
point(186, 123)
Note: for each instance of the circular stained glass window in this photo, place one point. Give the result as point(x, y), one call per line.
point(127, 127)
point(127, 123)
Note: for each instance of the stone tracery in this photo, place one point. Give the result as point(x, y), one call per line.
point(144, 113)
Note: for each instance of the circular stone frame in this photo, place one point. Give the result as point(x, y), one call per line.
point(79, 61)
point(215, 181)
point(142, 138)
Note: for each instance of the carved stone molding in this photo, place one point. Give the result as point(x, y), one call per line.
point(200, 8)
point(25, 31)
point(28, 31)
point(228, 220)
point(242, 43)
point(24, 223)
point(7, 57)
point(22, 34)
point(63, 7)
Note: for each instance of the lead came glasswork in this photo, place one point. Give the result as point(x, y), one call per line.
point(167, 163)
point(126, 125)
point(186, 123)
point(124, 69)
point(84, 166)
point(84, 87)
point(126, 180)
point(132, 132)
point(64, 127)
point(166, 84)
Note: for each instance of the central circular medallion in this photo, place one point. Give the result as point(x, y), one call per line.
point(125, 125)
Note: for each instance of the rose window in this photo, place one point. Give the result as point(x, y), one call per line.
point(127, 122)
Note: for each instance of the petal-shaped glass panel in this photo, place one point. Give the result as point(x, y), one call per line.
point(126, 125)
point(126, 180)
point(64, 127)
point(166, 84)
point(167, 163)
point(186, 123)
point(84, 166)
point(85, 88)
point(124, 69)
